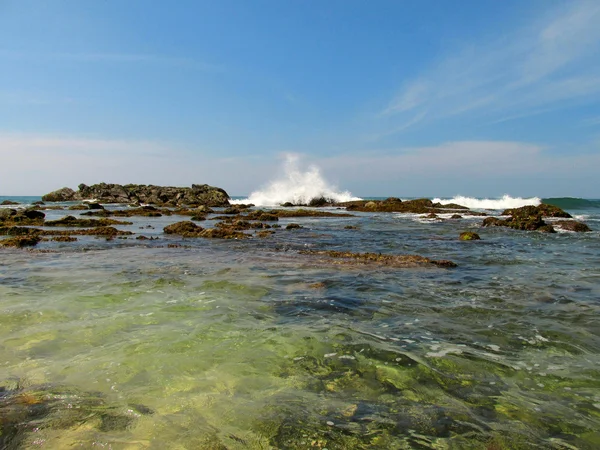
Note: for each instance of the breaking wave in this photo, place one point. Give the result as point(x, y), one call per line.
point(296, 186)
point(490, 203)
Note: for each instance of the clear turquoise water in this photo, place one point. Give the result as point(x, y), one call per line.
point(250, 344)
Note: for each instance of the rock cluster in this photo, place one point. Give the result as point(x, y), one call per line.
point(138, 193)
point(531, 218)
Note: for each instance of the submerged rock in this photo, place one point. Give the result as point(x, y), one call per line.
point(469, 236)
point(71, 221)
point(223, 233)
point(21, 241)
point(185, 229)
point(98, 231)
point(10, 217)
point(378, 259)
point(572, 225)
point(8, 203)
point(23, 412)
point(18, 231)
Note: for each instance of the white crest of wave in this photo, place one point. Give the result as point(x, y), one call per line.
point(505, 202)
point(296, 186)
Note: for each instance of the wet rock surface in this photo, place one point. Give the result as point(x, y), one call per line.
point(135, 193)
point(338, 257)
point(26, 411)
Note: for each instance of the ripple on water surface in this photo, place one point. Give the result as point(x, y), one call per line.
point(246, 345)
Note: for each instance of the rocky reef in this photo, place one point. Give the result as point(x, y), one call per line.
point(139, 193)
point(530, 218)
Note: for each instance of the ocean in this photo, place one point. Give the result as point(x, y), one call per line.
point(197, 343)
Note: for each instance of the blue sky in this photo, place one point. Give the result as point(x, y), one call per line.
point(398, 97)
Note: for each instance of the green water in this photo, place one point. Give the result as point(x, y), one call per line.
point(249, 345)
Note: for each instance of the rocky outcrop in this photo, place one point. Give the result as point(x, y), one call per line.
point(394, 204)
point(469, 236)
point(541, 210)
point(528, 218)
point(9, 217)
point(138, 193)
point(337, 257)
point(185, 229)
point(71, 221)
point(61, 195)
point(21, 241)
point(572, 225)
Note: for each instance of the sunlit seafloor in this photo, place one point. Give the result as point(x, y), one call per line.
point(251, 345)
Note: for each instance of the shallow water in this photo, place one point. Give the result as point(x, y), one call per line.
point(249, 344)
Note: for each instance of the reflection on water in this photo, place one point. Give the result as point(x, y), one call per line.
point(251, 345)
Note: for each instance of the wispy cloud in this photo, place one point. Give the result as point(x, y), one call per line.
point(552, 63)
point(475, 168)
point(54, 161)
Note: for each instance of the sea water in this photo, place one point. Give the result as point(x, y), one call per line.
point(252, 344)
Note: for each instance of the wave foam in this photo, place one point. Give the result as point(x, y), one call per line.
point(297, 187)
point(490, 203)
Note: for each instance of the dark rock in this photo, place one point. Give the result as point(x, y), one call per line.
point(378, 259)
point(494, 222)
point(38, 203)
point(287, 205)
point(64, 239)
point(185, 229)
point(80, 207)
point(469, 236)
point(21, 241)
point(8, 203)
point(61, 195)
point(95, 206)
point(264, 233)
point(18, 231)
point(546, 229)
point(10, 217)
point(432, 216)
point(456, 216)
point(137, 194)
point(71, 221)
point(572, 225)
point(319, 201)
point(293, 226)
point(223, 233)
point(98, 231)
point(351, 227)
point(542, 210)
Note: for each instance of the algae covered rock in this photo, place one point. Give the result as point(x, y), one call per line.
point(469, 236)
point(26, 411)
point(21, 241)
point(71, 221)
point(134, 193)
point(338, 257)
point(21, 217)
point(572, 225)
point(8, 203)
point(542, 210)
point(185, 229)
point(61, 195)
